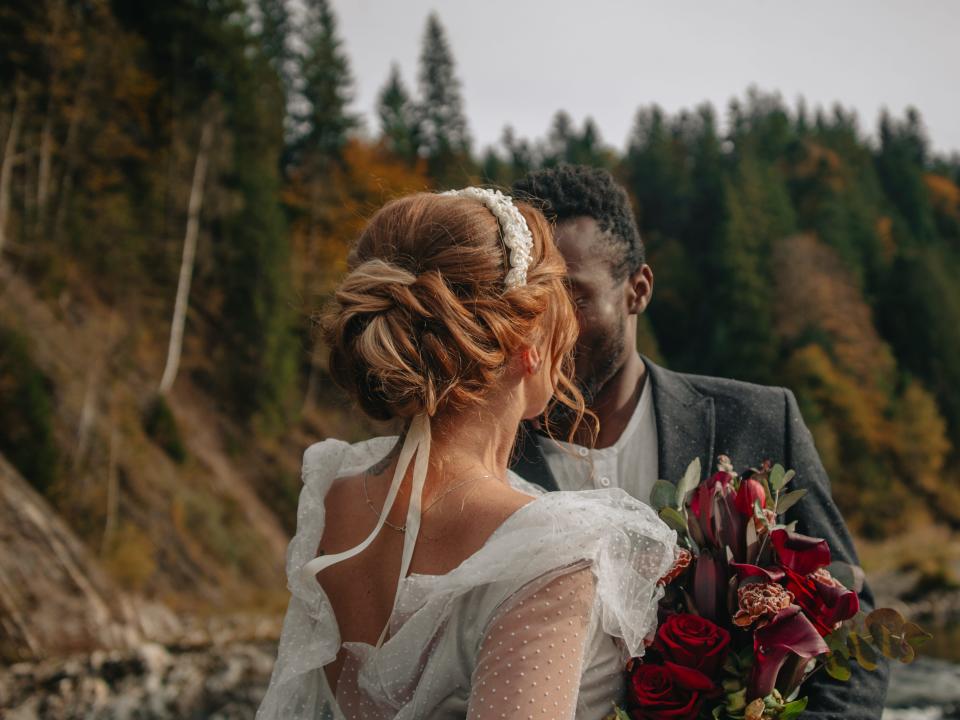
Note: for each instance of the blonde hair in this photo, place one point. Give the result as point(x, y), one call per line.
point(422, 323)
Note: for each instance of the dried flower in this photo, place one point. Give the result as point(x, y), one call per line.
point(680, 564)
point(755, 710)
point(724, 464)
point(759, 602)
point(822, 575)
point(769, 519)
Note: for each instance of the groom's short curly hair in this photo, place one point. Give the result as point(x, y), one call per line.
point(566, 192)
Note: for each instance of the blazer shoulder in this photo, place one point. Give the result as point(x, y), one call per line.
point(725, 390)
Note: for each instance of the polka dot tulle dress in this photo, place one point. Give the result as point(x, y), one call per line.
point(535, 624)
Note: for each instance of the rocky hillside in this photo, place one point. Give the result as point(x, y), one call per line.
point(128, 535)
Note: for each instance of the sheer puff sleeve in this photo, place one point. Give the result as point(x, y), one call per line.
point(598, 556)
point(531, 657)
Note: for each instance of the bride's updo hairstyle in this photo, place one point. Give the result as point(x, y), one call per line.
point(423, 322)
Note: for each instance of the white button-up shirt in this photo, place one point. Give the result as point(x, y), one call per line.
point(630, 463)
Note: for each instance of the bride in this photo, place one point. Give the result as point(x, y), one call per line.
point(426, 581)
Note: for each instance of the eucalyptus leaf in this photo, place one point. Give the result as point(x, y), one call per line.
point(689, 481)
point(837, 667)
point(893, 636)
point(673, 518)
point(619, 714)
point(850, 576)
point(777, 475)
point(787, 477)
point(785, 502)
point(663, 494)
point(915, 635)
point(766, 490)
point(862, 651)
point(793, 709)
point(737, 701)
point(837, 640)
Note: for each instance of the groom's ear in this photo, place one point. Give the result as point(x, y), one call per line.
point(639, 287)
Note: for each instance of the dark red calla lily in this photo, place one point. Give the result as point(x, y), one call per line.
point(746, 571)
point(800, 553)
point(789, 634)
point(825, 601)
point(709, 585)
point(750, 491)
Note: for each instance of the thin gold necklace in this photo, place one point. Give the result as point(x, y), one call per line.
point(403, 528)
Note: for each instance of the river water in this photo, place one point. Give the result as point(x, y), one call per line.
point(928, 689)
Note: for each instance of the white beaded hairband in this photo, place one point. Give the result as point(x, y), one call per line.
point(516, 235)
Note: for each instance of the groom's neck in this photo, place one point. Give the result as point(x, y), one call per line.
point(616, 401)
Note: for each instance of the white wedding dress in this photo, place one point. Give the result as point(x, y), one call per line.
point(536, 624)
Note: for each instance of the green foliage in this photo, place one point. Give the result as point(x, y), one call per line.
point(397, 113)
point(443, 135)
point(258, 351)
point(787, 248)
point(160, 424)
point(327, 86)
point(26, 409)
point(758, 214)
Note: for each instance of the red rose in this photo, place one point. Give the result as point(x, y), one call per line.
point(666, 692)
point(750, 491)
point(693, 642)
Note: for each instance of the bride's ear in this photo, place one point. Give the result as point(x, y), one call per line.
point(530, 360)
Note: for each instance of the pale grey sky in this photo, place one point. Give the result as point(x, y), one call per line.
point(521, 60)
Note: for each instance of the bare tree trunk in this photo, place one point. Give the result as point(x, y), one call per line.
point(189, 253)
point(6, 167)
point(46, 133)
point(110, 523)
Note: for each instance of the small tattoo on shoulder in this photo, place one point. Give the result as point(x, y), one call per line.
point(381, 465)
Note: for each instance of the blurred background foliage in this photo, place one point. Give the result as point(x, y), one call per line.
point(790, 246)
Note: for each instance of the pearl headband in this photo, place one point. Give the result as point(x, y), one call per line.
point(516, 235)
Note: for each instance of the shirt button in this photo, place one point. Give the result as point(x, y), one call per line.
point(605, 481)
point(583, 452)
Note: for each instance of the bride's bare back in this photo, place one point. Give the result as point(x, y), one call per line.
point(361, 589)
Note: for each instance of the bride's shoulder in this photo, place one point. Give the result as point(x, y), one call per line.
point(331, 458)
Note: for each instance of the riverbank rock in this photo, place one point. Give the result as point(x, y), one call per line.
point(148, 682)
point(54, 598)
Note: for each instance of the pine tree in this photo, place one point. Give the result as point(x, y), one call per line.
point(397, 115)
point(758, 213)
point(327, 88)
point(560, 137)
point(258, 352)
point(444, 137)
point(519, 153)
point(275, 29)
point(274, 35)
point(900, 164)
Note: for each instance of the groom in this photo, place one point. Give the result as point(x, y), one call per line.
point(654, 421)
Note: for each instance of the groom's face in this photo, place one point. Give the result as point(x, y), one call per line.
point(600, 299)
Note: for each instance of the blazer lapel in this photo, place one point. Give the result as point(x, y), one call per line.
point(685, 423)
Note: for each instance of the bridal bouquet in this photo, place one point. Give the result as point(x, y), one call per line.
point(752, 608)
